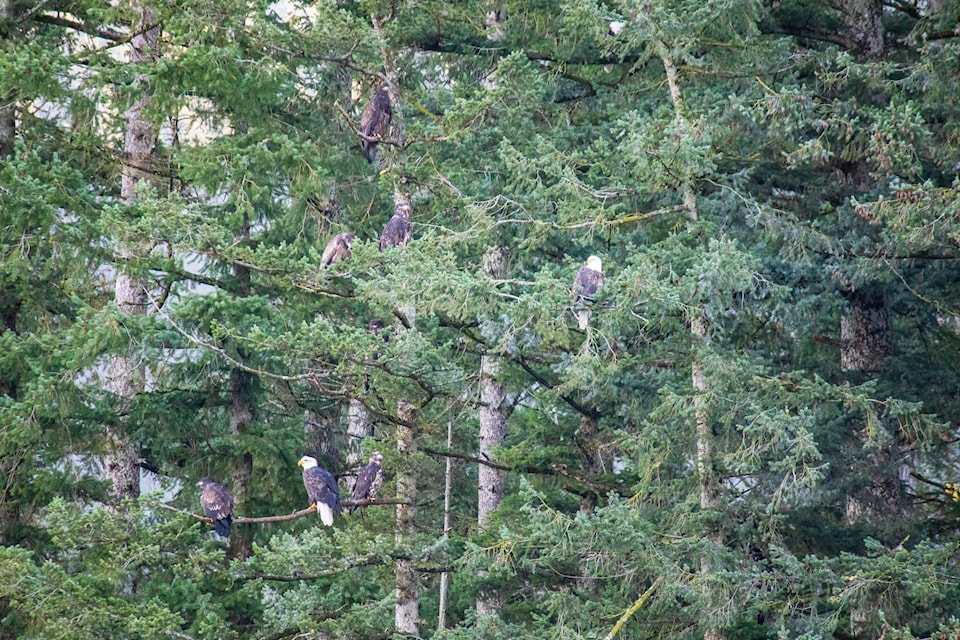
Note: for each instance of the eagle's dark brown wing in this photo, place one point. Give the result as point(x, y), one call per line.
point(586, 284)
point(374, 121)
point(322, 489)
point(217, 503)
point(337, 249)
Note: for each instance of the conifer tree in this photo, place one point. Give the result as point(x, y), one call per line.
point(753, 176)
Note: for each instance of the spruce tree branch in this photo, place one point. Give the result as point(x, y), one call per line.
point(946, 34)
point(941, 309)
point(213, 253)
point(557, 470)
point(576, 406)
point(222, 352)
point(926, 480)
point(356, 564)
point(100, 32)
point(642, 600)
point(908, 9)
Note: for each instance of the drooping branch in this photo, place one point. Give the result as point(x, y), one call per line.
point(578, 407)
point(558, 470)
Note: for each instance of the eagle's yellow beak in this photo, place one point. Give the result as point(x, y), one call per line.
point(299, 463)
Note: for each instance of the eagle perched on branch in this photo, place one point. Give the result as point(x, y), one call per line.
point(322, 489)
point(399, 230)
point(217, 503)
point(374, 121)
point(368, 481)
point(337, 249)
point(588, 281)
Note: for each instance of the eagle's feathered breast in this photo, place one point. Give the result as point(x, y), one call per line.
point(399, 229)
point(374, 121)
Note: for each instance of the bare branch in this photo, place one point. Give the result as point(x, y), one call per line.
point(291, 516)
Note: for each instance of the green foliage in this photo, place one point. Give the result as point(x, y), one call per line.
point(822, 176)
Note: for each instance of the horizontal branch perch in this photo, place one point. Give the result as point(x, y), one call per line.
point(358, 564)
point(290, 516)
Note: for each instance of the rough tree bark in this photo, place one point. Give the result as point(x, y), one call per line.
point(447, 496)
point(359, 426)
point(862, 29)
point(241, 417)
point(700, 336)
point(407, 612)
point(866, 333)
point(323, 437)
point(125, 376)
point(493, 429)
point(8, 103)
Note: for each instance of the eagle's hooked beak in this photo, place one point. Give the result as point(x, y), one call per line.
point(299, 463)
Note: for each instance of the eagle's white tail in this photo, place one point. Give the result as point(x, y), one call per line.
point(326, 513)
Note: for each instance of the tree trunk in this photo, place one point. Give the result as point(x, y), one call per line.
point(323, 437)
point(866, 334)
point(8, 103)
point(447, 496)
point(359, 426)
point(862, 26)
point(8, 124)
point(700, 334)
point(407, 612)
point(493, 429)
point(493, 420)
point(125, 377)
point(241, 417)
point(587, 438)
point(490, 481)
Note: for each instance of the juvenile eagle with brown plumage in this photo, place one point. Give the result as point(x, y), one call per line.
point(399, 229)
point(374, 121)
point(368, 481)
point(217, 503)
point(337, 249)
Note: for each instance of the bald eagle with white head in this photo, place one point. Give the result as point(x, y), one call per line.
point(585, 286)
point(322, 489)
point(368, 481)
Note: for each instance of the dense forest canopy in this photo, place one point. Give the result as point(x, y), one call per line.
point(650, 309)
